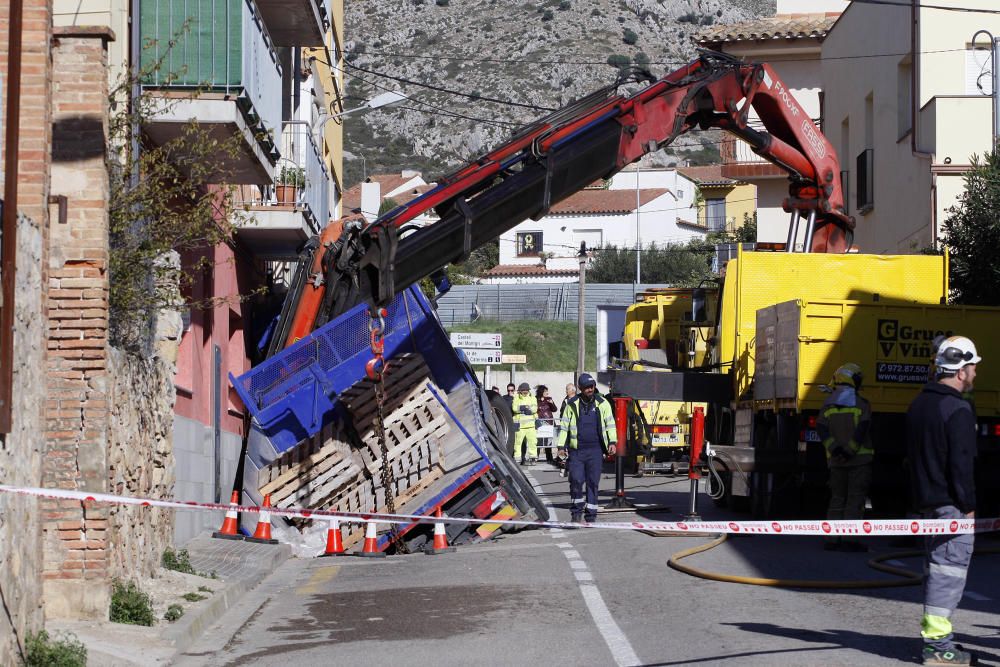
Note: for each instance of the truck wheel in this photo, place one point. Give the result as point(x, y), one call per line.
point(504, 420)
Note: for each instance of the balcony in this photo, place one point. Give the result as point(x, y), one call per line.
point(222, 73)
point(296, 22)
point(741, 163)
point(285, 215)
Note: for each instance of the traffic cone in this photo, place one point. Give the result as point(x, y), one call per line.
point(230, 528)
point(370, 549)
point(263, 532)
point(334, 540)
point(440, 545)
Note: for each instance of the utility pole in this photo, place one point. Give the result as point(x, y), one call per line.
point(638, 238)
point(581, 341)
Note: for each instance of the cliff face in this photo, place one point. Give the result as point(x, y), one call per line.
point(526, 57)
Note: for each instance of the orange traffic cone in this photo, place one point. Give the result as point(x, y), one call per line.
point(370, 549)
point(263, 532)
point(440, 545)
point(230, 528)
point(334, 540)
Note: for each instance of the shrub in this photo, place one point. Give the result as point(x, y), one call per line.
point(178, 561)
point(441, 3)
point(41, 650)
point(629, 36)
point(174, 612)
point(547, 15)
point(690, 17)
point(194, 597)
point(130, 604)
point(564, 5)
point(640, 59)
point(618, 60)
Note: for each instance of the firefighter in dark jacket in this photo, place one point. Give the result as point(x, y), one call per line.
point(588, 432)
point(843, 424)
point(941, 450)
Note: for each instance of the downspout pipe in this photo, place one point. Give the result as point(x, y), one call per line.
point(8, 225)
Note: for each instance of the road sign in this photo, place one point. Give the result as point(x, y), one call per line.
point(480, 341)
point(514, 359)
point(488, 357)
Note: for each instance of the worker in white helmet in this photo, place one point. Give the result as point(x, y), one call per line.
point(941, 449)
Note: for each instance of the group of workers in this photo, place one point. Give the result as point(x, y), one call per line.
point(586, 434)
point(941, 449)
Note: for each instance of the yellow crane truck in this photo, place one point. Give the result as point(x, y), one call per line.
point(784, 322)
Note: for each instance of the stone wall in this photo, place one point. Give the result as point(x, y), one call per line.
point(140, 461)
point(20, 450)
point(20, 456)
point(75, 535)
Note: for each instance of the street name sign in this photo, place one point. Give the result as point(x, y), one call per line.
point(478, 341)
point(488, 357)
point(514, 359)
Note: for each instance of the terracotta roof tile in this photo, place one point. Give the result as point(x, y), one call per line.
point(782, 26)
point(524, 270)
point(707, 175)
point(604, 201)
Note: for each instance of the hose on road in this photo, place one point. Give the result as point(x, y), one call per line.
point(907, 577)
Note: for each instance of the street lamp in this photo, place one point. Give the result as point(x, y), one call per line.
point(385, 99)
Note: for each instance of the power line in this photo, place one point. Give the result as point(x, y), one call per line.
point(440, 89)
point(946, 8)
point(671, 63)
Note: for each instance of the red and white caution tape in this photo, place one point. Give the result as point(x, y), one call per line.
point(859, 528)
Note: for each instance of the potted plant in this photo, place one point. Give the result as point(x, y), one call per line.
point(290, 179)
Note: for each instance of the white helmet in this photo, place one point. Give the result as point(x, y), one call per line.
point(954, 353)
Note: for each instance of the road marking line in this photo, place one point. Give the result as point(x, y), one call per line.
point(318, 578)
point(977, 596)
point(895, 563)
point(621, 650)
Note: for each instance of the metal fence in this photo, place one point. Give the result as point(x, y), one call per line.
point(466, 303)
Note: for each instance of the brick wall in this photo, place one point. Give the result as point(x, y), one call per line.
point(75, 537)
point(20, 459)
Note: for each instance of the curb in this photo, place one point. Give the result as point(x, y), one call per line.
point(189, 628)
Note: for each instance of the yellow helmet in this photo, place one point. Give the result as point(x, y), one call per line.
point(850, 373)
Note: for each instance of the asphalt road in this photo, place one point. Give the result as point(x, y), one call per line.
point(593, 597)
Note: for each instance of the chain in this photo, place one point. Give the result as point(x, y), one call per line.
point(375, 371)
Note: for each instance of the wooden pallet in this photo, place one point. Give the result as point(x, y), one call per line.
point(340, 468)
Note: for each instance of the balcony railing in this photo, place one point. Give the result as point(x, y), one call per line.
point(299, 152)
point(218, 46)
point(734, 150)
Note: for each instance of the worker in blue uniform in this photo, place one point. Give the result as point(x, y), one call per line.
point(588, 432)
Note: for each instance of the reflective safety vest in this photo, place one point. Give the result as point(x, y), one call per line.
point(843, 425)
point(525, 421)
point(605, 421)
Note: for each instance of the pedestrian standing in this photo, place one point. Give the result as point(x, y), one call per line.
point(509, 397)
point(843, 424)
point(570, 393)
point(588, 432)
point(941, 449)
point(546, 415)
point(525, 414)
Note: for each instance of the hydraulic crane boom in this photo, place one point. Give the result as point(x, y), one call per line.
point(561, 154)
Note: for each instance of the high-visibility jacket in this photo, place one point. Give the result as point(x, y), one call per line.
point(843, 424)
point(522, 420)
point(605, 421)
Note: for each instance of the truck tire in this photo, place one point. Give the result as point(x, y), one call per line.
point(503, 418)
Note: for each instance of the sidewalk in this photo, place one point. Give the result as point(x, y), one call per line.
point(238, 567)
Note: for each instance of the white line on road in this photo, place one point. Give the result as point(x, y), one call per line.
point(616, 641)
point(977, 596)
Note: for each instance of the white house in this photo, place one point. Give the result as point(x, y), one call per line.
point(638, 207)
point(904, 111)
point(368, 196)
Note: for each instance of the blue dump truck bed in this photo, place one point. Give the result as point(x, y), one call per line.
point(312, 442)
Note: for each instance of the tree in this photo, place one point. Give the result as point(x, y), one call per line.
point(676, 264)
point(164, 203)
point(972, 234)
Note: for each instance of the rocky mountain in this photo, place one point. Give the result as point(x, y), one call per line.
point(476, 70)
